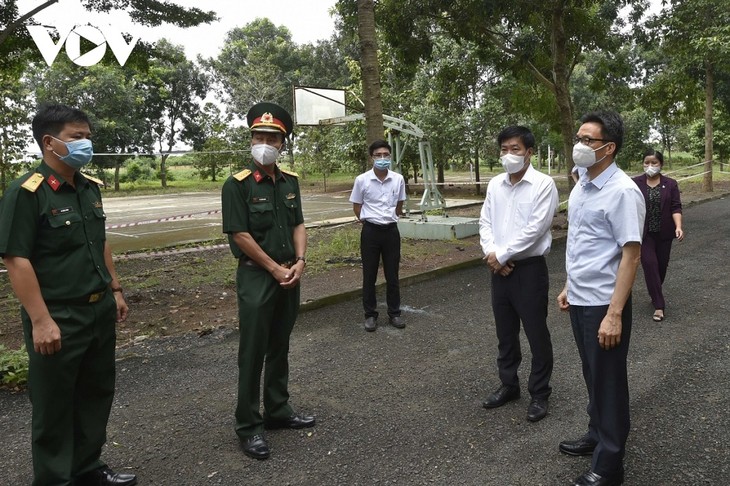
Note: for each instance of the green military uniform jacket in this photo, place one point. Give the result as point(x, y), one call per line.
point(59, 229)
point(266, 209)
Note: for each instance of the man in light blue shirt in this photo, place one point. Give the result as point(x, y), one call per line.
point(606, 220)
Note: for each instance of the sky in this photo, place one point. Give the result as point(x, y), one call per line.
point(307, 20)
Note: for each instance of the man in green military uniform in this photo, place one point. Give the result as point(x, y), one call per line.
point(262, 215)
point(53, 243)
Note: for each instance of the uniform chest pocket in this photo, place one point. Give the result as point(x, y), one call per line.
point(261, 216)
point(291, 211)
point(65, 230)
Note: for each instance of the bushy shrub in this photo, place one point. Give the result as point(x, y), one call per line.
point(13, 366)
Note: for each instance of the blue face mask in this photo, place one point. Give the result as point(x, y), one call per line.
point(79, 152)
point(382, 164)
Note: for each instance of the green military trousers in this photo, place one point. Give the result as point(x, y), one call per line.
point(71, 391)
point(266, 315)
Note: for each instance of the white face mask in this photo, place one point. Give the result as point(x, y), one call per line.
point(584, 156)
point(512, 163)
point(651, 170)
point(264, 154)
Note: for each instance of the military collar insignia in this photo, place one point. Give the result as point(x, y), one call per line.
point(257, 176)
point(53, 182)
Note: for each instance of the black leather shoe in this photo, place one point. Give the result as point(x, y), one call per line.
point(537, 410)
point(293, 422)
point(105, 476)
point(592, 479)
point(397, 322)
point(370, 324)
point(256, 447)
point(503, 395)
point(579, 447)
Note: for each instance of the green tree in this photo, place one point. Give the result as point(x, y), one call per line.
point(14, 116)
point(695, 36)
point(173, 91)
point(110, 96)
point(17, 49)
point(258, 63)
point(543, 39)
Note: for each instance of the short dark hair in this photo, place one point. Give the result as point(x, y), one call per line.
point(659, 156)
point(612, 126)
point(517, 131)
point(378, 144)
point(52, 117)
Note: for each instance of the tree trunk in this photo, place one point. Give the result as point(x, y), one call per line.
point(478, 186)
point(370, 70)
point(163, 170)
point(117, 166)
point(561, 73)
point(709, 96)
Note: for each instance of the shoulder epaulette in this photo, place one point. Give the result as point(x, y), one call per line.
point(289, 172)
point(93, 179)
point(242, 175)
point(33, 182)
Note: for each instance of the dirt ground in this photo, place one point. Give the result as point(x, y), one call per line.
point(172, 307)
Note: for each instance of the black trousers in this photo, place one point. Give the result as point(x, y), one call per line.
point(606, 378)
point(523, 296)
point(378, 242)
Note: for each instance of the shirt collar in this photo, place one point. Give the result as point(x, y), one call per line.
point(604, 176)
point(373, 175)
point(529, 176)
point(55, 180)
point(259, 175)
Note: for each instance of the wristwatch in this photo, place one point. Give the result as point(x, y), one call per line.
point(301, 258)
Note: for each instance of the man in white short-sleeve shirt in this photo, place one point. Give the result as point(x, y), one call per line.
point(377, 200)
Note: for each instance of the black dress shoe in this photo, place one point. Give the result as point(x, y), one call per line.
point(579, 447)
point(104, 477)
point(256, 447)
point(370, 324)
point(503, 395)
point(293, 422)
point(537, 410)
point(592, 479)
point(397, 322)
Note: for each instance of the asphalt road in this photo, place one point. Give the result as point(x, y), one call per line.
point(404, 406)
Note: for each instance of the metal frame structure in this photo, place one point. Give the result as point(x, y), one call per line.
point(431, 198)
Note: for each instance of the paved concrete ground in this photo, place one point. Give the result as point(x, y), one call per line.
point(404, 406)
point(190, 217)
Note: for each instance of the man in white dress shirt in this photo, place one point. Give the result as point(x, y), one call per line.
point(514, 230)
point(377, 200)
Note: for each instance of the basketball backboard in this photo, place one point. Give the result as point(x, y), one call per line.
point(314, 104)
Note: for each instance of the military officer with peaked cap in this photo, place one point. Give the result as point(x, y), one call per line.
point(262, 215)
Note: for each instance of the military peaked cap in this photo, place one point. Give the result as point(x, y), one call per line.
point(269, 117)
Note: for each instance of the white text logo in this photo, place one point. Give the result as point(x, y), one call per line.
point(71, 37)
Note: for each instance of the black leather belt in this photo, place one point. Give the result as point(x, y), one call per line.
point(86, 299)
point(247, 262)
point(528, 261)
point(380, 226)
